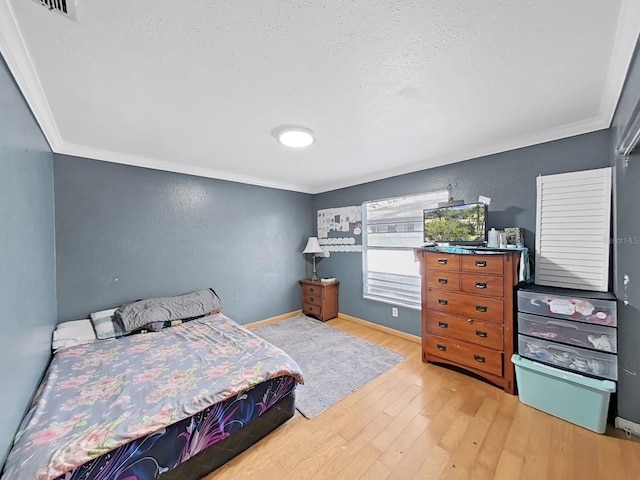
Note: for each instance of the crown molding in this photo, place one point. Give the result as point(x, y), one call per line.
point(18, 59)
point(137, 161)
point(624, 45)
point(559, 133)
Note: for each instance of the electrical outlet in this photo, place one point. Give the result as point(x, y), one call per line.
point(394, 311)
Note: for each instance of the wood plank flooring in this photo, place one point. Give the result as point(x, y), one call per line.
point(421, 421)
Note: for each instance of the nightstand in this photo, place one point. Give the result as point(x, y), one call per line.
point(320, 300)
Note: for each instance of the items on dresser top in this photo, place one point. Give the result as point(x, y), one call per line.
point(320, 298)
point(468, 311)
point(571, 329)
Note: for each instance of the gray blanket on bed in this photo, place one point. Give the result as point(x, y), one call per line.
point(192, 305)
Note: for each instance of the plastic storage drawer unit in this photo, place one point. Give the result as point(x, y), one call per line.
point(604, 365)
point(580, 308)
point(578, 399)
point(584, 335)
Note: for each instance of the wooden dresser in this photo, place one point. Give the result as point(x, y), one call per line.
point(468, 312)
point(320, 300)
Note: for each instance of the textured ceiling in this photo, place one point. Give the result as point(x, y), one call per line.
point(389, 87)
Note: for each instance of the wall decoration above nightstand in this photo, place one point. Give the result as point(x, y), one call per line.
point(340, 229)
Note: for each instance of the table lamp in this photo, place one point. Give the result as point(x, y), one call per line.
point(313, 247)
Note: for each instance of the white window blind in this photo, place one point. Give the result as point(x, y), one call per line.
point(573, 218)
point(393, 227)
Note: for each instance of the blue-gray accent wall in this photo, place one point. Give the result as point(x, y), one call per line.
point(27, 256)
point(125, 233)
point(627, 251)
point(508, 178)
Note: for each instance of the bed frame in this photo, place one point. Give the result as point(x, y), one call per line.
point(220, 453)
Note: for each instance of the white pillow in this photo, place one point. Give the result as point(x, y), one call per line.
point(69, 334)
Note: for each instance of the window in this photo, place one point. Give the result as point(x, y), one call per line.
point(392, 229)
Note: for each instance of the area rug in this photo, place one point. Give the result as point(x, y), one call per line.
point(333, 362)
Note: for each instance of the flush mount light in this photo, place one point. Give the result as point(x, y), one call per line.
point(294, 137)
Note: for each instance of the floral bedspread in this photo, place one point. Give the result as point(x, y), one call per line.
point(99, 396)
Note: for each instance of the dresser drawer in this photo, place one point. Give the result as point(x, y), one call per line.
point(310, 309)
point(483, 263)
point(490, 285)
point(444, 280)
point(442, 261)
point(486, 334)
point(470, 306)
point(465, 353)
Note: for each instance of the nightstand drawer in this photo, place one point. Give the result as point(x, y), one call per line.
point(483, 263)
point(466, 305)
point(309, 309)
point(487, 334)
point(465, 353)
point(311, 290)
point(313, 299)
point(490, 285)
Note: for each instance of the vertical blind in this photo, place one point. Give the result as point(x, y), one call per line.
point(393, 227)
point(573, 218)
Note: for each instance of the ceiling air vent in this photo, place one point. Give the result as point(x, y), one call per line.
point(63, 7)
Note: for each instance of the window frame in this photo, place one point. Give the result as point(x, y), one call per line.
point(407, 287)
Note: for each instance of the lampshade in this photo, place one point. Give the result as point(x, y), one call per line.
point(313, 246)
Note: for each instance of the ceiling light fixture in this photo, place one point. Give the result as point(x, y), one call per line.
point(294, 137)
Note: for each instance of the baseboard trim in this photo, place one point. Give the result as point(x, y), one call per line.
point(276, 319)
point(631, 428)
point(375, 326)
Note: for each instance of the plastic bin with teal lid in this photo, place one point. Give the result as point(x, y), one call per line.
point(573, 397)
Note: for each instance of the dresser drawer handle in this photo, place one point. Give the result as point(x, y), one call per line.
point(479, 358)
point(482, 334)
point(443, 281)
point(442, 261)
point(442, 348)
point(311, 299)
point(481, 263)
point(481, 285)
point(312, 289)
point(443, 324)
point(442, 301)
point(481, 308)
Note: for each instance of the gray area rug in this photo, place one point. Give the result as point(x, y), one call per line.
point(334, 363)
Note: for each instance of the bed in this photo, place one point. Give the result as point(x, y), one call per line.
point(176, 403)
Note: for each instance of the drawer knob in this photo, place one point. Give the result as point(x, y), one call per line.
point(443, 281)
point(442, 261)
point(481, 285)
point(311, 299)
point(479, 358)
point(470, 320)
point(482, 334)
point(443, 324)
point(442, 301)
point(442, 348)
point(481, 308)
point(481, 263)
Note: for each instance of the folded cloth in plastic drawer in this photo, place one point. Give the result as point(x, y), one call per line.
point(595, 337)
point(590, 362)
point(552, 303)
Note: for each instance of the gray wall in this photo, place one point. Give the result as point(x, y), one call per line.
point(27, 262)
point(509, 179)
point(125, 233)
point(627, 253)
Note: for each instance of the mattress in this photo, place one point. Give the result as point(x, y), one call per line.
point(195, 382)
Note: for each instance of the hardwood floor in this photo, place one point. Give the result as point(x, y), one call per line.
point(424, 421)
